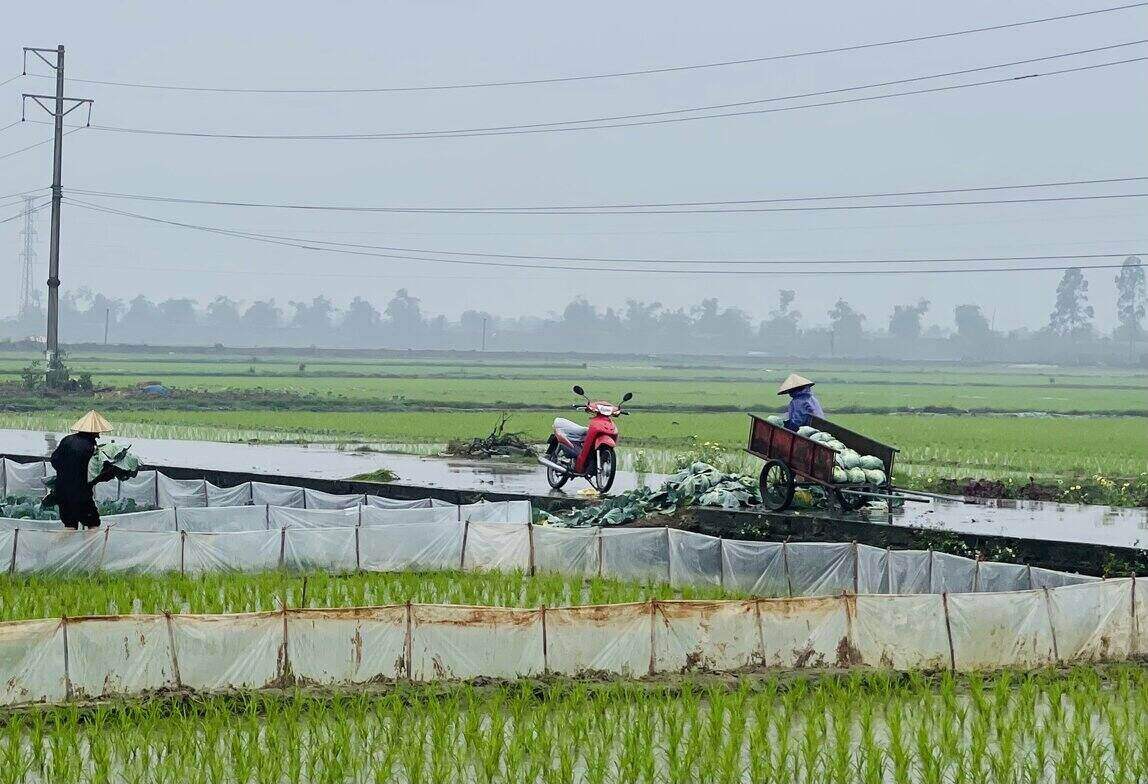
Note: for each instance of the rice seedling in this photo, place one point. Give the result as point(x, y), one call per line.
point(27, 597)
point(847, 728)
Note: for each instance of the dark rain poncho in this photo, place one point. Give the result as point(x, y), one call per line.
point(72, 490)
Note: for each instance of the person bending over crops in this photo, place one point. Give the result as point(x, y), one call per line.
point(802, 403)
point(73, 492)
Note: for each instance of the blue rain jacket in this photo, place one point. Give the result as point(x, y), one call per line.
point(802, 406)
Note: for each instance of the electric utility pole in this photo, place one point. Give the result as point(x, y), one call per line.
point(28, 257)
point(58, 113)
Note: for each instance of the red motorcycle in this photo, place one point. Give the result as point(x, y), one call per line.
point(588, 452)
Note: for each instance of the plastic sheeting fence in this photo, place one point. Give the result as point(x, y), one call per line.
point(152, 488)
point(78, 658)
point(386, 540)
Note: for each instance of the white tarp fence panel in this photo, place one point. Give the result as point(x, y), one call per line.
point(1093, 621)
point(909, 571)
point(805, 632)
point(284, 517)
point(152, 520)
point(359, 645)
point(992, 630)
point(951, 573)
point(240, 495)
point(496, 547)
point(717, 636)
point(901, 632)
point(144, 552)
point(221, 519)
point(276, 495)
point(821, 569)
point(321, 549)
point(317, 499)
point(51, 660)
point(410, 547)
point(457, 642)
point(240, 551)
point(613, 639)
point(59, 552)
point(993, 577)
point(436, 514)
point(32, 662)
point(756, 568)
point(215, 652)
point(497, 512)
point(571, 551)
point(872, 569)
point(142, 488)
point(180, 492)
point(119, 655)
point(635, 554)
point(379, 502)
point(24, 479)
point(695, 559)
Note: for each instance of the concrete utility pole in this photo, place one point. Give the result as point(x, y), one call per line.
point(58, 113)
point(28, 256)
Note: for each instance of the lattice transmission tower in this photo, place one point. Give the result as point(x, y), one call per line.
point(28, 257)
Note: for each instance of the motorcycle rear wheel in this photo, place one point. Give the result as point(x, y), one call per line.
point(606, 467)
point(556, 479)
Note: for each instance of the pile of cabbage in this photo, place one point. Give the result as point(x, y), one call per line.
point(700, 484)
point(851, 468)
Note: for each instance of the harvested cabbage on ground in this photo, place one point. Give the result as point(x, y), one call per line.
point(699, 485)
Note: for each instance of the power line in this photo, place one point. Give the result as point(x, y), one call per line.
point(305, 245)
point(12, 79)
point(39, 144)
point(22, 213)
point(614, 74)
point(11, 124)
point(584, 209)
point(534, 128)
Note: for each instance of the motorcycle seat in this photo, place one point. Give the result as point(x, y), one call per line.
point(571, 430)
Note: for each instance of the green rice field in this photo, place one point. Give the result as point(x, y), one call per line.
point(949, 420)
point(1077, 725)
point(1081, 726)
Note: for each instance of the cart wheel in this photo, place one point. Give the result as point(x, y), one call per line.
point(776, 485)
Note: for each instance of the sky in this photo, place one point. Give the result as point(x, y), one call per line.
point(1079, 126)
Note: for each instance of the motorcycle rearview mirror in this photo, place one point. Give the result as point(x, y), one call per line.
point(627, 397)
point(579, 391)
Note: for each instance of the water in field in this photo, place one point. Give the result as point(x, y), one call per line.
point(326, 461)
point(1080, 523)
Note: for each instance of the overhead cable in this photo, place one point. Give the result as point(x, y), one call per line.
point(304, 244)
point(579, 209)
point(614, 74)
point(578, 124)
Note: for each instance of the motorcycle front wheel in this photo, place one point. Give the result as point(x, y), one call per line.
point(606, 468)
point(556, 479)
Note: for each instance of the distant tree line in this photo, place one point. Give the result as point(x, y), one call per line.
point(640, 327)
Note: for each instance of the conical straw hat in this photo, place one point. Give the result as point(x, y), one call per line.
point(793, 382)
point(91, 422)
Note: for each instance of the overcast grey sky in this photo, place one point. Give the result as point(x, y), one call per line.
point(1076, 126)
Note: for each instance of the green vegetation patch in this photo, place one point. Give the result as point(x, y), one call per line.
point(29, 597)
point(1083, 725)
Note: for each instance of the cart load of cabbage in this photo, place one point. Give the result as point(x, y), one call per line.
point(698, 485)
point(851, 468)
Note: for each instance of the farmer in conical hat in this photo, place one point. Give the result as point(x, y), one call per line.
point(802, 403)
point(73, 492)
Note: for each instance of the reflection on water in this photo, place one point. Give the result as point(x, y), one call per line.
point(1106, 525)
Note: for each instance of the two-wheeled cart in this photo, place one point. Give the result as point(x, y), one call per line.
point(793, 461)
